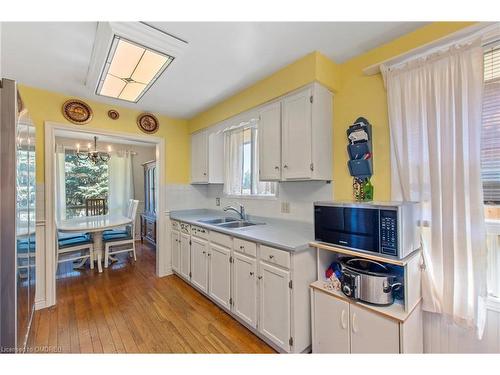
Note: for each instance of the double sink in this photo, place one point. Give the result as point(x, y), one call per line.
point(228, 222)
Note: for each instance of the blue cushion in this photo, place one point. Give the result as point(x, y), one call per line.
point(67, 236)
point(70, 242)
point(116, 237)
point(115, 231)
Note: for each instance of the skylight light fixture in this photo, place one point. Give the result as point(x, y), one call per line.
point(128, 57)
point(130, 70)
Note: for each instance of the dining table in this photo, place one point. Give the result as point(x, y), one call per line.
point(95, 225)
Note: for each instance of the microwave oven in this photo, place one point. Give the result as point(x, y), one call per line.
point(386, 228)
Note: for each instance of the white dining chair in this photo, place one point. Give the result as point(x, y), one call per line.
point(114, 242)
point(121, 230)
point(81, 246)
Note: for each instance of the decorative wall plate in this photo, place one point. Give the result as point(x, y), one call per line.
point(148, 123)
point(113, 115)
point(77, 112)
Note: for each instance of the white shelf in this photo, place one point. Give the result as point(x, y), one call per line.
point(395, 311)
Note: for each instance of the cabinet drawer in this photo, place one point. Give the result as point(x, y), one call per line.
point(221, 239)
point(275, 256)
point(245, 247)
point(199, 232)
point(175, 225)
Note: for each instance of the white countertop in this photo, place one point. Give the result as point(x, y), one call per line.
point(92, 223)
point(288, 235)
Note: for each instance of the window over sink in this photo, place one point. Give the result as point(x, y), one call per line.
point(241, 174)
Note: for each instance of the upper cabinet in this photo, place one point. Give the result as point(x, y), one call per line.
point(294, 140)
point(207, 156)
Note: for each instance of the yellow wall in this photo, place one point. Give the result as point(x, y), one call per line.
point(46, 106)
point(354, 95)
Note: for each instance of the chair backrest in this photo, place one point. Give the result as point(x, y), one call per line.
point(132, 212)
point(95, 206)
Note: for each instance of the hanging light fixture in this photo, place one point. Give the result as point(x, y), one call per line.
point(94, 156)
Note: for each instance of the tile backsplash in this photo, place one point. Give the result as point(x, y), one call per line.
point(296, 197)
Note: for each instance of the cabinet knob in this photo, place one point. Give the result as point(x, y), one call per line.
point(208, 254)
point(242, 247)
point(285, 166)
point(277, 168)
point(251, 273)
point(271, 256)
point(204, 173)
point(259, 277)
point(204, 252)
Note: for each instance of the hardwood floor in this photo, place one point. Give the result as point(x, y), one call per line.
point(127, 309)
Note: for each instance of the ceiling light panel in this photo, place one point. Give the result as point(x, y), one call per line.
point(130, 70)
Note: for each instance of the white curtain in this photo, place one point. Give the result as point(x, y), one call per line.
point(121, 183)
point(60, 184)
point(233, 161)
point(435, 105)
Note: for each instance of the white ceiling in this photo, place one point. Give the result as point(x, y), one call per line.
point(221, 59)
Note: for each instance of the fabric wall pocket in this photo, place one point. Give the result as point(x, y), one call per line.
point(359, 150)
point(360, 168)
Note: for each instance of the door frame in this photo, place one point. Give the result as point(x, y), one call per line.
point(162, 249)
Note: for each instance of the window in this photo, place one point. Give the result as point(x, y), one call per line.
point(242, 163)
point(490, 135)
point(84, 180)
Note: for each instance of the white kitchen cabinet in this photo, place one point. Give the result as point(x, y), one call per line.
point(307, 134)
point(199, 157)
point(274, 297)
point(245, 288)
point(185, 258)
point(330, 324)
point(372, 333)
point(199, 263)
point(343, 326)
point(269, 135)
point(219, 274)
point(176, 249)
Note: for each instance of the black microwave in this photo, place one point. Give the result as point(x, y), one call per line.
point(388, 229)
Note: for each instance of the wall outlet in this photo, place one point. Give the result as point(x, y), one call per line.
point(285, 207)
point(217, 201)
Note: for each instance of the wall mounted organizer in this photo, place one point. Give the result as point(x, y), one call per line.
point(360, 162)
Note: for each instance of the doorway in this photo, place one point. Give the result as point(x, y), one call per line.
point(144, 150)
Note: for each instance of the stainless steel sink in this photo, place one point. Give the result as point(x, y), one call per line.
point(221, 220)
point(237, 224)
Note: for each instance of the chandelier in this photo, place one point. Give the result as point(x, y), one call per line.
point(94, 156)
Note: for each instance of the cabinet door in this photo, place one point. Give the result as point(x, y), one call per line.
point(199, 157)
point(330, 324)
point(297, 152)
point(219, 285)
point(372, 333)
point(176, 247)
point(274, 299)
point(245, 288)
point(269, 139)
point(185, 258)
point(199, 263)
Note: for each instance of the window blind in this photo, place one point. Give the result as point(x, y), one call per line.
point(490, 134)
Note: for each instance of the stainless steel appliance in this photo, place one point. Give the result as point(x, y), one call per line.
point(17, 219)
point(368, 281)
point(386, 228)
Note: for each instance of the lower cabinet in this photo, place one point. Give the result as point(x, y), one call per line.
point(339, 326)
point(219, 274)
point(330, 322)
point(274, 297)
point(176, 249)
point(199, 263)
point(185, 255)
point(245, 288)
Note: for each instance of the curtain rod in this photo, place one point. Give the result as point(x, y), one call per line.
point(490, 31)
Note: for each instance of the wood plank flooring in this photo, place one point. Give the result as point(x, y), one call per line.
point(127, 309)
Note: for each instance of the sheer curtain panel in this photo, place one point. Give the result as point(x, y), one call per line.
point(121, 182)
point(435, 105)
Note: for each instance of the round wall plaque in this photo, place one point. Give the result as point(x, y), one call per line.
point(148, 123)
point(113, 115)
point(77, 112)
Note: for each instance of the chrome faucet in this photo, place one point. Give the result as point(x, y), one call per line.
point(240, 212)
